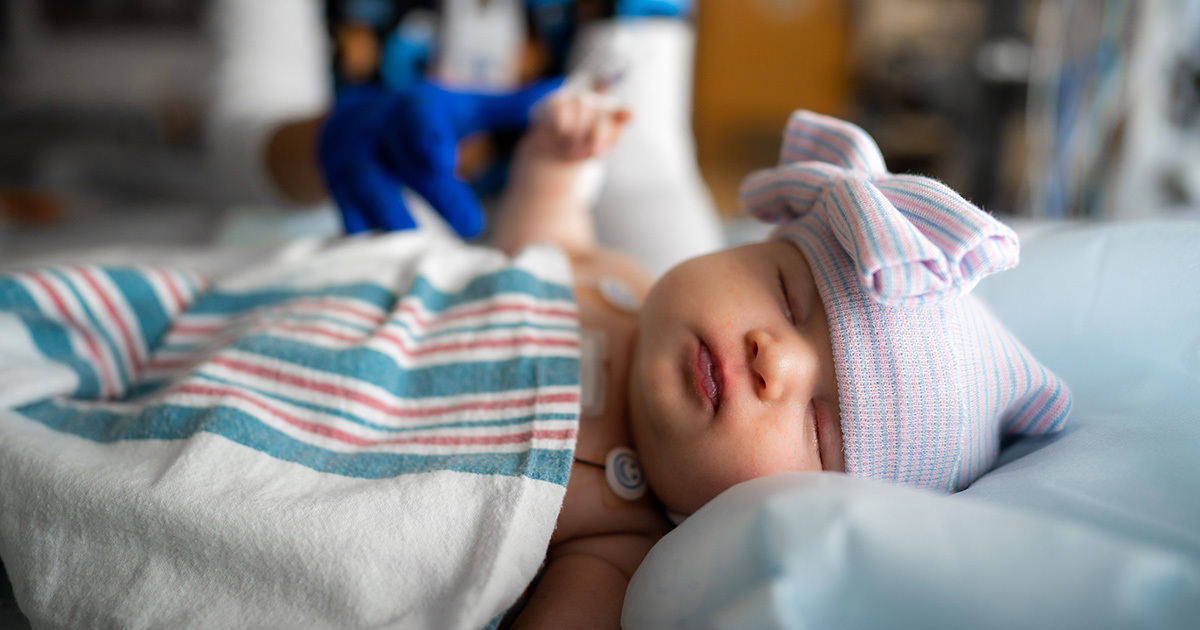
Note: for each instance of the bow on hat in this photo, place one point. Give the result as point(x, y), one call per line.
point(913, 239)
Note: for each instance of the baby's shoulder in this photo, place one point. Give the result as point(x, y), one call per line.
point(600, 264)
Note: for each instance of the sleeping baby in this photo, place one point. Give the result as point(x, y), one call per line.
point(846, 342)
point(408, 431)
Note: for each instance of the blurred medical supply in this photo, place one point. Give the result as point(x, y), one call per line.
point(652, 181)
point(148, 120)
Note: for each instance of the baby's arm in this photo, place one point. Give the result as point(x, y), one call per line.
point(583, 585)
point(544, 200)
point(584, 581)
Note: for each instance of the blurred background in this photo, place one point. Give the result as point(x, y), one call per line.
point(1078, 109)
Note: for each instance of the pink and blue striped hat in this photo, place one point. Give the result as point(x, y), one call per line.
point(929, 380)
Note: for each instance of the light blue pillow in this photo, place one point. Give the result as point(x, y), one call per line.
point(1096, 527)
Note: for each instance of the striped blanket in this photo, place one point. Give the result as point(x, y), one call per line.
point(376, 432)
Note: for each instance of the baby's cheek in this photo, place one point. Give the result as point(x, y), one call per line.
point(744, 466)
point(707, 481)
point(678, 481)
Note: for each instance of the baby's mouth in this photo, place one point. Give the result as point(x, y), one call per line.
point(707, 376)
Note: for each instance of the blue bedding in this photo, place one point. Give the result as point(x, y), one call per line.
point(1096, 527)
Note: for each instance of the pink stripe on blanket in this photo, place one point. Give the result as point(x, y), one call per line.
point(349, 438)
point(103, 363)
point(411, 309)
point(132, 349)
point(380, 405)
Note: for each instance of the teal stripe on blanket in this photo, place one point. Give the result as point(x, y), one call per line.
point(377, 369)
point(14, 297)
point(406, 326)
point(235, 303)
point(106, 333)
point(449, 379)
point(445, 332)
point(143, 300)
point(393, 428)
point(172, 422)
point(486, 286)
point(549, 366)
point(49, 335)
point(511, 281)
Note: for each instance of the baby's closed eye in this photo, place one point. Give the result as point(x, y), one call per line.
point(786, 303)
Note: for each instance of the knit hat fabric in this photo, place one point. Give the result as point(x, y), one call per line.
point(929, 380)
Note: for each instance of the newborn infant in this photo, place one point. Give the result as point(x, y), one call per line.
point(846, 342)
point(404, 430)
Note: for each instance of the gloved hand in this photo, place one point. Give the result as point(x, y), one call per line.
point(377, 140)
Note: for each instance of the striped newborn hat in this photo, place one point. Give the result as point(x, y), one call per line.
point(929, 380)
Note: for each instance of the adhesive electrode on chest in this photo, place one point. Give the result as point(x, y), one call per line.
point(593, 379)
point(593, 346)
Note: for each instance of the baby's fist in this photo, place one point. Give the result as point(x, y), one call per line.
point(577, 126)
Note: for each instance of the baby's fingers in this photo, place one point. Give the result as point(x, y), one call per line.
point(580, 126)
point(578, 141)
point(566, 118)
point(606, 131)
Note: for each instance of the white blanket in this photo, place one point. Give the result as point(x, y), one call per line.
point(373, 433)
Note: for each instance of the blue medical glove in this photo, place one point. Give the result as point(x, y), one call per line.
point(377, 140)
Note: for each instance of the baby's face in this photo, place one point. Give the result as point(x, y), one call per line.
point(733, 375)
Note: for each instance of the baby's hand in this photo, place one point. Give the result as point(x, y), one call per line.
point(572, 127)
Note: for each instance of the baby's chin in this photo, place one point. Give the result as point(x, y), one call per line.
point(685, 493)
point(687, 507)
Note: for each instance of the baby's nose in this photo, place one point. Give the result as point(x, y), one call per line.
point(778, 366)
